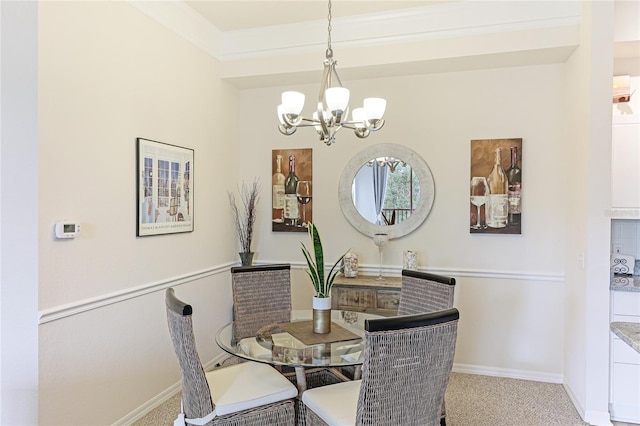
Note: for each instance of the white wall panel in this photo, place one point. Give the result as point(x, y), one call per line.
point(18, 214)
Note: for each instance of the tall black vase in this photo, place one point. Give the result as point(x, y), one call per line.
point(246, 259)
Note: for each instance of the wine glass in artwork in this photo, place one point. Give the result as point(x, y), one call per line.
point(304, 193)
point(479, 194)
point(380, 240)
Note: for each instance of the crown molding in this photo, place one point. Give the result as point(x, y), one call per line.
point(436, 21)
point(447, 36)
point(442, 20)
point(184, 21)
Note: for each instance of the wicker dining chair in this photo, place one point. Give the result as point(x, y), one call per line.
point(261, 296)
point(421, 293)
point(262, 299)
point(406, 368)
point(250, 393)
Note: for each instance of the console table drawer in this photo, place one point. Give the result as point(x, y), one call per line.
point(347, 298)
point(366, 294)
point(388, 300)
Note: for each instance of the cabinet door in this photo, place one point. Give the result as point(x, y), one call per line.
point(625, 165)
point(625, 384)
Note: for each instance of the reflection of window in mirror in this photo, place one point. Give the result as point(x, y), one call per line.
point(385, 191)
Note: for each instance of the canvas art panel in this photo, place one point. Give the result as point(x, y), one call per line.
point(292, 190)
point(495, 205)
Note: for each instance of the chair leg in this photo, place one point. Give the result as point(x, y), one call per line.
point(443, 422)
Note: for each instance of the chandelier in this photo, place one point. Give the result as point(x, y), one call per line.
point(333, 106)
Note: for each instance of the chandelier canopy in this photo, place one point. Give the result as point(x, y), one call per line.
point(333, 106)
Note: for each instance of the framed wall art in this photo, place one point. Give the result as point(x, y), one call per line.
point(165, 188)
point(292, 190)
point(496, 186)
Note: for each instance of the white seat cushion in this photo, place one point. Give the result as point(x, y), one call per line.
point(335, 404)
point(247, 385)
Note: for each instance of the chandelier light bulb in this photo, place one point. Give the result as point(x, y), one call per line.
point(317, 120)
point(374, 108)
point(337, 98)
point(292, 102)
point(359, 117)
point(281, 113)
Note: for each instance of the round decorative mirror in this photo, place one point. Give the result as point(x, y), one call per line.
point(386, 188)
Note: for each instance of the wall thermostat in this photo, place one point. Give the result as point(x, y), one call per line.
point(67, 229)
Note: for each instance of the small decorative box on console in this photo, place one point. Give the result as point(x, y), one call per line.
point(622, 263)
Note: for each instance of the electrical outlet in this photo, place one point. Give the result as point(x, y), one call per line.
point(581, 261)
point(617, 248)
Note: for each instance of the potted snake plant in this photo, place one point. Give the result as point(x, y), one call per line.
point(321, 283)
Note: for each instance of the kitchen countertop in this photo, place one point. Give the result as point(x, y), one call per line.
point(628, 332)
point(625, 283)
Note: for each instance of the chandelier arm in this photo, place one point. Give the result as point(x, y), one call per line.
point(326, 76)
point(354, 125)
point(334, 72)
point(308, 123)
point(286, 130)
point(322, 120)
point(361, 133)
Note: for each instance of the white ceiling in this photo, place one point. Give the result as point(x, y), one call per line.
point(253, 37)
point(242, 14)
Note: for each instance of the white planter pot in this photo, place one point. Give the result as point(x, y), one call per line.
point(321, 303)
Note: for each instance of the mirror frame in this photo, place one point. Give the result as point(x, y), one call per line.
point(405, 154)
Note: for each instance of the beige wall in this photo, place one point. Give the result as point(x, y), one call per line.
point(107, 75)
point(501, 279)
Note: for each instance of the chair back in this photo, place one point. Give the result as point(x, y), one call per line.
point(422, 292)
point(196, 395)
point(261, 296)
point(406, 367)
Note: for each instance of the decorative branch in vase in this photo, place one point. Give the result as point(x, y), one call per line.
point(244, 217)
point(322, 284)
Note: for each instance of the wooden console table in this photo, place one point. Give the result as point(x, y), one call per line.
point(366, 294)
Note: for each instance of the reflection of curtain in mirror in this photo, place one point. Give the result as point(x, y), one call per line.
point(379, 190)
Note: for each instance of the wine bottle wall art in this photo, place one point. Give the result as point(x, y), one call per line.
point(495, 182)
point(291, 189)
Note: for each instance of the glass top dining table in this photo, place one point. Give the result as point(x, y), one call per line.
point(276, 346)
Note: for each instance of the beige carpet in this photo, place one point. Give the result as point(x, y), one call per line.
point(482, 400)
point(472, 400)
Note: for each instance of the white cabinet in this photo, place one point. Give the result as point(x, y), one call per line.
point(624, 397)
point(625, 166)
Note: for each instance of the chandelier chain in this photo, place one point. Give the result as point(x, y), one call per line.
point(329, 49)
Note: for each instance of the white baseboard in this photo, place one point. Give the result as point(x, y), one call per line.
point(148, 406)
point(536, 376)
point(598, 418)
point(163, 396)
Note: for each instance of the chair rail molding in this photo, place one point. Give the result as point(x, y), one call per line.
point(452, 271)
point(62, 311)
point(74, 308)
